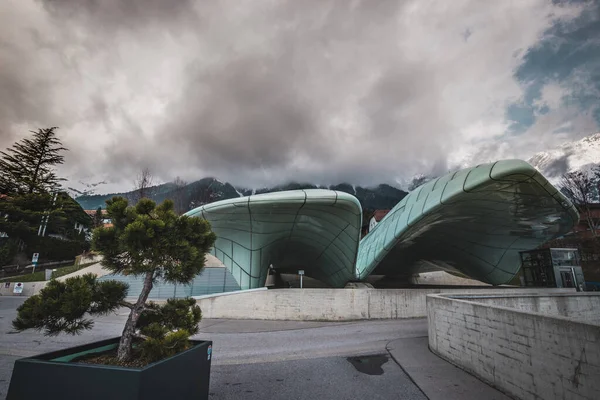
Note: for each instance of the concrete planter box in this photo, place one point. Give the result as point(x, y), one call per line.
point(52, 376)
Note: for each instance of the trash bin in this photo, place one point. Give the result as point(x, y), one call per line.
point(48, 274)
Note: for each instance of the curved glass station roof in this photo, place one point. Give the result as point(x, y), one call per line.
point(315, 230)
point(475, 221)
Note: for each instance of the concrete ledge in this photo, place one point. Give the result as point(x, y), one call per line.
point(551, 353)
point(584, 307)
point(235, 292)
point(331, 304)
point(444, 278)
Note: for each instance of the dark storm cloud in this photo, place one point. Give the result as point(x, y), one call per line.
point(391, 105)
point(248, 114)
point(262, 113)
point(110, 14)
point(259, 92)
point(24, 97)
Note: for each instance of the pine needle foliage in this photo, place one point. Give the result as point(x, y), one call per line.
point(64, 306)
point(149, 241)
point(28, 166)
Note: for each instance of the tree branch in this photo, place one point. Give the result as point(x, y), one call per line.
point(140, 336)
point(126, 304)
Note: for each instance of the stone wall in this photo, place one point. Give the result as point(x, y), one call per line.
point(527, 355)
point(331, 304)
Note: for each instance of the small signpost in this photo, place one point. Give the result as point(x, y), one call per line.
point(18, 289)
point(34, 260)
point(301, 273)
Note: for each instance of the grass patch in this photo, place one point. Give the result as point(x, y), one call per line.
point(69, 269)
point(35, 277)
point(38, 276)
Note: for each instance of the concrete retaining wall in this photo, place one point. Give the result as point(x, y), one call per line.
point(584, 307)
point(331, 304)
point(527, 355)
point(90, 259)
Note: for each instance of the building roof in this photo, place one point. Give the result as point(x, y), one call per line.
point(316, 230)
point(93, 212)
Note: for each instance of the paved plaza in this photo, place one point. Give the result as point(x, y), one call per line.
point(290, 359)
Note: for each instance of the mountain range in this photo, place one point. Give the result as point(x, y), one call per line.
point(582, 154)
point(208, 190)
point(579, 155)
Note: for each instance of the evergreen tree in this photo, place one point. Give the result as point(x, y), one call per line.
point(23, 215)
point(61, 306)
point(98, 218)
point(27, 180)
point(28, 167)
point(28, 215)
point(148, 241)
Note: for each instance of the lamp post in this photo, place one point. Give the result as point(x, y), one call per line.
point(301, 273)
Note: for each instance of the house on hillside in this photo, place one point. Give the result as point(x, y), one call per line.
point(74, 224)
point(377, 216)
point(106, 221)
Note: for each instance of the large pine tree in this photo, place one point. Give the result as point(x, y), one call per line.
point(28, 198)
point(29, 165)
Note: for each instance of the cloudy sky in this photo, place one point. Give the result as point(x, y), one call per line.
point(257, 92)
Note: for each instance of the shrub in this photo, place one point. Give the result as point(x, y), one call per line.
point(53, 249)
point(148, 241)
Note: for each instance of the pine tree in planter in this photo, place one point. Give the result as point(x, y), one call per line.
point(148, 241)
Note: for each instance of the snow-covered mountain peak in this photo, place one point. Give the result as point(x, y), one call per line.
point(582, 154)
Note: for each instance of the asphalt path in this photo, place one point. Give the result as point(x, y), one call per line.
point(262, 359)
point(288, 359)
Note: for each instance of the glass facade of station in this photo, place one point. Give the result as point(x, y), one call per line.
point(552, 267)
point(315, 230)
point(211, 280)
point(475, 221)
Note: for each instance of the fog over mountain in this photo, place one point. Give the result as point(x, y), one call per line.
point(583, 154)
point(258, 93)
point(580, 155)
